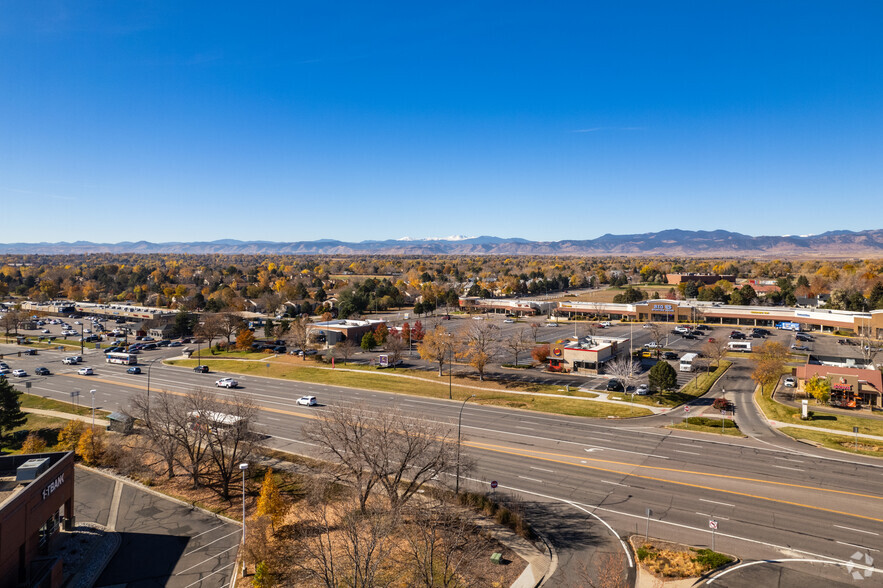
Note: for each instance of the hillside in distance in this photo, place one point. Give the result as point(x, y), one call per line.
point(672, 242)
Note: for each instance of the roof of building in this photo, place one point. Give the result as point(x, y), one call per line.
point(872, 377)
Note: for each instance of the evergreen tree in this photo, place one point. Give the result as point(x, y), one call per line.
point(663, 376)
point(11, 415)
point(368, 342)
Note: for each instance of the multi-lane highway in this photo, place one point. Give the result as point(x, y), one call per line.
point(771, 497)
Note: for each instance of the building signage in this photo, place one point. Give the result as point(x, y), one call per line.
point(662, 308)
point(841, 386)
point(759, 312)
point(803, 314)
point(556, 351)
point(53, 486)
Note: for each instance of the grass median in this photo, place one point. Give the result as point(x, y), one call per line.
point(709, 425)
point(695, 388)
point(490, 393)
point(39, 402)
point(839, 442)
point(775, 411)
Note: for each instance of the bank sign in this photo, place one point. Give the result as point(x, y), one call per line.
point(53, 486)
point(662, 308)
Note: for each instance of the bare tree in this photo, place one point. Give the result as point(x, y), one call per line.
point(658, 335)
point(345, 349)
point(299, 333)
point(624, 369)
point(161, 423)
point(440, 544)
point(869, 346)
point(230, 439)
point(517, 343)
point(395, 346)
point(229, 324)
point(211, 328)
point(715, 350)
point(534, 327)
point(481, 345)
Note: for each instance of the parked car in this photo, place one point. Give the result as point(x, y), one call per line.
point(508, 321)
point(134, 370)
point(86, 371)
point(614, 386)
point(201, 369)
point(799, 347)
point(643, 390)
point(4, 371)
point(653, 345)
point(42, 371)
point(689, 335)
point(670, 355)
point(19, 373)
point(175, 344)
point(227, 383)
point(789, 382)
point(604, 324)
point(711, 339)
point(307, 401)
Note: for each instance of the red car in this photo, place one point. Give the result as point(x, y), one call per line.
point(711, 339)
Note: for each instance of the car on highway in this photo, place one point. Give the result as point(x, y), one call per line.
point(42, 371)
point(3, 364)
point(643, 390)
point(134, 370)
point(201, 369)
point(226, 383)
point(789, 382)
point(70, 361)
point(86, 371)
point(307, 401)
point(19, 373)
point(4, 371)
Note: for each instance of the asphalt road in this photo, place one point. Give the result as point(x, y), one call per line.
point(771, 496)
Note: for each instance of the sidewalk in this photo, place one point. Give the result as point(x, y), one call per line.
point(777, 425)
point(66, 415)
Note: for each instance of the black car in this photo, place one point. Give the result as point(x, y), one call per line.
point(42, 371)
point(134, 370)
point(614, 386)
point(689, 336)
point(201, 369)
point(670, 355)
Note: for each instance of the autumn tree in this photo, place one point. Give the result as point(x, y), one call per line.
point(481, 345)
point(819, 388)
point(244, 339)
point(380, 333)
point(91, 446)
point(768, 360)
point(437, 345)
point(69, 436)
point(417, 332)
point(540, 353)
point(34, 443)
point(270, 502)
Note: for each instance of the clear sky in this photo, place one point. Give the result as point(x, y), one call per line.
point(292, 120)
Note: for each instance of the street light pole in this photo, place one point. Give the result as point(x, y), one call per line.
point(450, 369)
point(459, 424)
point(243, 467)
point(92, 392)
point(148, 385)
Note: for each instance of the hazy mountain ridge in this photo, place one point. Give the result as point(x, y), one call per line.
point(837, 243)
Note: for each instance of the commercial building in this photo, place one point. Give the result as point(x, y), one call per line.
point(513, 306)
point(851, 387)
point(340, 330)
point(585, 354)
point(36, 500)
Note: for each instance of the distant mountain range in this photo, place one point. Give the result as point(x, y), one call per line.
point(672, 242)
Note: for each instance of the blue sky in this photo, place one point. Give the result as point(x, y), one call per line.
point(284, 121)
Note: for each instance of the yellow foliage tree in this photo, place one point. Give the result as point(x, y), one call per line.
point(818, 388)
point(70, 435)
point(91, 446)
point(244, 339)
point(270, 502)
point(33, 444)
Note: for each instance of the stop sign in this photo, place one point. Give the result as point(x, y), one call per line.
point(494, 484)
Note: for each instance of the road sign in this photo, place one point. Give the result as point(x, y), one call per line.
point(494, 484)
point(712, 524)
point(268, 365)
point(686, 409)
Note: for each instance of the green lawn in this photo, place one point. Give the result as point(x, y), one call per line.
point(839, 442)
point(46, 427)
point(786, 414)
point(384, 380)
point(34, 401)
point(694, 389)
point(709, 425)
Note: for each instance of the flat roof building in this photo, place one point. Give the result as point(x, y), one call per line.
point(585, 354)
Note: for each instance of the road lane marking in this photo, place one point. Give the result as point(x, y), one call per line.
point(222, 525)
point(527, 428)
point(689, 452)
point(236, 532)
point(857, 546)
point(856, 530)
point(711, 516)
point(507, 450)
point(209, 575)
point(787, 468)
point(614, 483)
point(716, 502)
point(531, 479)
point(542, 469)
point(700, 486)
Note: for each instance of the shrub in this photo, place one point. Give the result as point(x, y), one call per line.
point(642, 553)
point(33, 444)
point(711, 559)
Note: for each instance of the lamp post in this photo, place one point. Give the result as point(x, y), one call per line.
point(450, 366)
point(150, 365)
point(459, 424)
point(243, 467)
point(92, 392)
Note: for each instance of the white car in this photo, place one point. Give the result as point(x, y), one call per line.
point(551, 324)
point(653, 345)
point(19, 373)
point(226, 383)
point(508, 321)
point(86, 371)
point(307, 401)
point(604, 324)
point(4, 371)
point(643, 390)
point(69, 361)
point(789, 382)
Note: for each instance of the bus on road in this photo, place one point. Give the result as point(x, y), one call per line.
point(122, 358)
